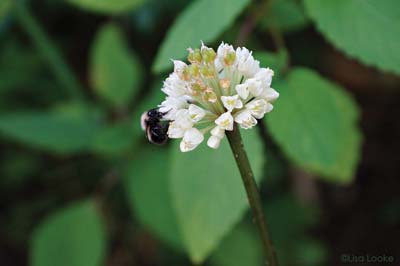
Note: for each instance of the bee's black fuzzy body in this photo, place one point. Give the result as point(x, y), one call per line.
point(156, 132)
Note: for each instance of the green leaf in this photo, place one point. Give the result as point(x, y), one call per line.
point(107, 6)
point(276, 61)
point(54, 132)
point(147, 188)
point(241, 247)
point(203, 21)
point(208, 194)
point(368, 30)
point(114, 139)
point(315, 123)
point(285, 15)
point(115, 72)
point(5, 7)
point(73, 236)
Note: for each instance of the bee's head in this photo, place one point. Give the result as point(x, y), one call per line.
point(154, 114)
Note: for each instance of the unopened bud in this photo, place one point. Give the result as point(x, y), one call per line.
point(207, 71)
point(185, 75)
point(194, 56)
point(194, 71)
point(225, 83)
point(210, 96)
point(208, 55)
point(197, 88)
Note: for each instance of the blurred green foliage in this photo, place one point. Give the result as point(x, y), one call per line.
point(331, 149)
point(73, 237)
point(70, 116)
point(205, 18)
point(107, 7)
point(116, 85)
point(352, 31)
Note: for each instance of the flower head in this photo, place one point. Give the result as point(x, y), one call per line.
point(212, 92)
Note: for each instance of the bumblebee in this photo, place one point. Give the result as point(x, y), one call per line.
point(156, 131)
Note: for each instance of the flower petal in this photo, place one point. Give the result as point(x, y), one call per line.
point(245, 119)
point(258, 107)
point(218, 132)
point(242, 90)
point(270, 94)
point(213, 142)
point(231, 102)
point(225, 121)
point(191, 139)
point(196, 113)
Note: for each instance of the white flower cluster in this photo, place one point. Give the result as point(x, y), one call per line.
point(212, 92)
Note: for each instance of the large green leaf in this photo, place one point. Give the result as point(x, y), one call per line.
point(107, 6)
point(114, 139)
point(116, 73)
point(241, 247)
point(147, 187)
point(73, 236)
point(203, 20)
point(51, 131)
point(315, 123)
point(368, 30)
point(285, 15)
point(208, 194)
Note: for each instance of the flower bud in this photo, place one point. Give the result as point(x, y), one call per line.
point(185, 75)
point(194, 56)
point(210, 96)
point(225, 85)
point(194, 71)
point(208, 55)
point(230, 58)
point(197, 88)
point(214, 142)
point(207, 71)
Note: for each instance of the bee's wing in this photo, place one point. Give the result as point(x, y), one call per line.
point(143, 121)
point(148, 133)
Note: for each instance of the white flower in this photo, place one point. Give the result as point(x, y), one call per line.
point(191, 139)
point(226, 56)
point(264, 75)
point(269, 94)
point(174, 86)
point(180, 125)
point(225, 121)
point(231, 102)
point(175, 131)
point(254, 87)
point(179, 66)
point(258, 107)
point(171, 105)
point(242, 90)
point(196, 113)
point(214, 91)
point(245, 119)
point(218, 132)
point(247, 66)
point(213, 142)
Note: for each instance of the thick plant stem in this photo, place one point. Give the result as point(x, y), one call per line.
point(48, 50)
point(242, 161)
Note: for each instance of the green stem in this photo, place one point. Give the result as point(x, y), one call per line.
point(236, 143)
point(48, 50)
